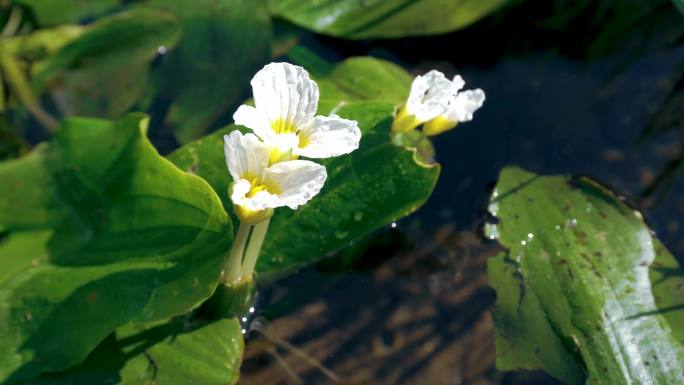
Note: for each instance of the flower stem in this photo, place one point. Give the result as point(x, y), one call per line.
point(254, 248)
point(231, 268)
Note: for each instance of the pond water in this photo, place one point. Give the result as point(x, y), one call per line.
point(415, 311)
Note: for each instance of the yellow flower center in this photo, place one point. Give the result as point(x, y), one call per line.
point(282, 126)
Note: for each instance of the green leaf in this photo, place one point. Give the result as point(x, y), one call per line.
point(356, 19)
point(98, 230)
point(224, 43)
point(55, 12)
point(357, 78)
point(375, 185)
point(585, 291)
point(679, 4)
point(104, 71)
point(179, 351)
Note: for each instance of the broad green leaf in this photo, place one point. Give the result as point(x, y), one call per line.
point(55, 12)
point(357, 78)
point(373, 186)
point(356, 19)
point(104, 71)
point(584, 290)
point(224, 43)
point(179, 351)
point(98, 230)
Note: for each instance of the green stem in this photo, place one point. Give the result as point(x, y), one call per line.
point(231, 268)
point(254, 248)
point(19, 85)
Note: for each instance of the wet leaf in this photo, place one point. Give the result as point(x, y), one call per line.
point(224, 43)
point(356, 19)
point(585, 291)
point(104, 71)
point(55, 12)
point(99, 230)
point(354, 79)
point(374, 186)
point(179, 351)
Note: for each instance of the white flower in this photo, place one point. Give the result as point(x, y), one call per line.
point(427, 99)
point(285, 104)
point(258, 188)
point(460, 108)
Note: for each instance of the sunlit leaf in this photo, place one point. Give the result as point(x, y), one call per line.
point(175, 352)
point(98, 230)
point(375, 185)
point(584, 289)
point(224, 42)
point(356, 19)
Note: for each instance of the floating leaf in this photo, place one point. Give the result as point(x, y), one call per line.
point(224, 43)
point(585, 292)
point(104, 71)
point(356, 19)
point(373, 186)
point(179, 351)
point(99, 230)
point(357, 78)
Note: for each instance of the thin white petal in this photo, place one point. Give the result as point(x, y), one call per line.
point(464, 104)
point(246, 155)
point(296, 181)
point(250, 117)
point(328, 136)
point(429, 95)
point(262, 200)
point(284, 92)
point(457, 83)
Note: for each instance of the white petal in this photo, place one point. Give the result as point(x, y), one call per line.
point(246, 155)
point(464, 104)
point(328, 136)
point(284, 93)
point(429, 95)
point(259, 201)
point(457, 84)
point(296, 181)
point(250, 117)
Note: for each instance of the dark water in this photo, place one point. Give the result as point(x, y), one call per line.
point(562, 98)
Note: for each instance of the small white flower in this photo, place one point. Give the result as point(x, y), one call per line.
point(460, 108)
point(427, 100)
point(258, 187)
point(429, 95)
point(284, 115)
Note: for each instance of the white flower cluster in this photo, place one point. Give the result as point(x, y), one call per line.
point(438, 103)
point(265, 167)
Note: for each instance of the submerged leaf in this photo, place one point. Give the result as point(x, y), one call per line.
point(99, 230)
point(223, 43)
point(584, 290)
point(104, 71)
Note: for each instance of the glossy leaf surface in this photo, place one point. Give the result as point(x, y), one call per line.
point(356, 19)
point(585, 291)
